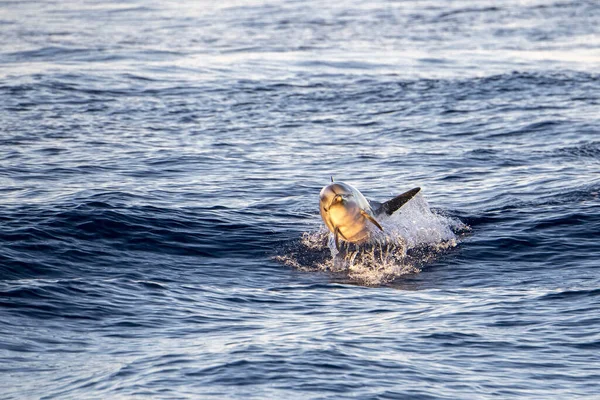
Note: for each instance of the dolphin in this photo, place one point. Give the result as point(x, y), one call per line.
point(350, 216)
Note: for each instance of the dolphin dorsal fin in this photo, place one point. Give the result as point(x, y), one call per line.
point(391, 206)
point(331, 178)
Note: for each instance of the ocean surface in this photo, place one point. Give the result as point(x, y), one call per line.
point(160, 169)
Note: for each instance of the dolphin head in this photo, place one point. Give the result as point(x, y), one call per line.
point(337, 205)
point(345, 211)
point(334, 194)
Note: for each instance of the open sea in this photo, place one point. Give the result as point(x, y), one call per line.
point(160, 170)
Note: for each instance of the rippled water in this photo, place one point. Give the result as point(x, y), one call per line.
point(160, 165)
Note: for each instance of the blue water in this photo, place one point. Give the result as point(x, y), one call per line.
point(160, 165)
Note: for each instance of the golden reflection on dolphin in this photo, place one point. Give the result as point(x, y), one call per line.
point(350, 216)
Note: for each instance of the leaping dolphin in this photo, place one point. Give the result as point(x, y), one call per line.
point(350, 216)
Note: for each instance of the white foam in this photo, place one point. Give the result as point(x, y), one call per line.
point(387, 255)
point(416, 225)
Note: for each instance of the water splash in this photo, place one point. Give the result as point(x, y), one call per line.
point(412, 236)
point(416, 224)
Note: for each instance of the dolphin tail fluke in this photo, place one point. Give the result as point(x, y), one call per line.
point(391, 206)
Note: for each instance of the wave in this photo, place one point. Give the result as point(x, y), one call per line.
point(102, 233)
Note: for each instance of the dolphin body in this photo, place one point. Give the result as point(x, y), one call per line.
point(350, 216)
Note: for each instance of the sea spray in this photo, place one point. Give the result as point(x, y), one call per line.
point(412, 236)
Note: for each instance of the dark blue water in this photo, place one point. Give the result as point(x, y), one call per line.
point(160, 165)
